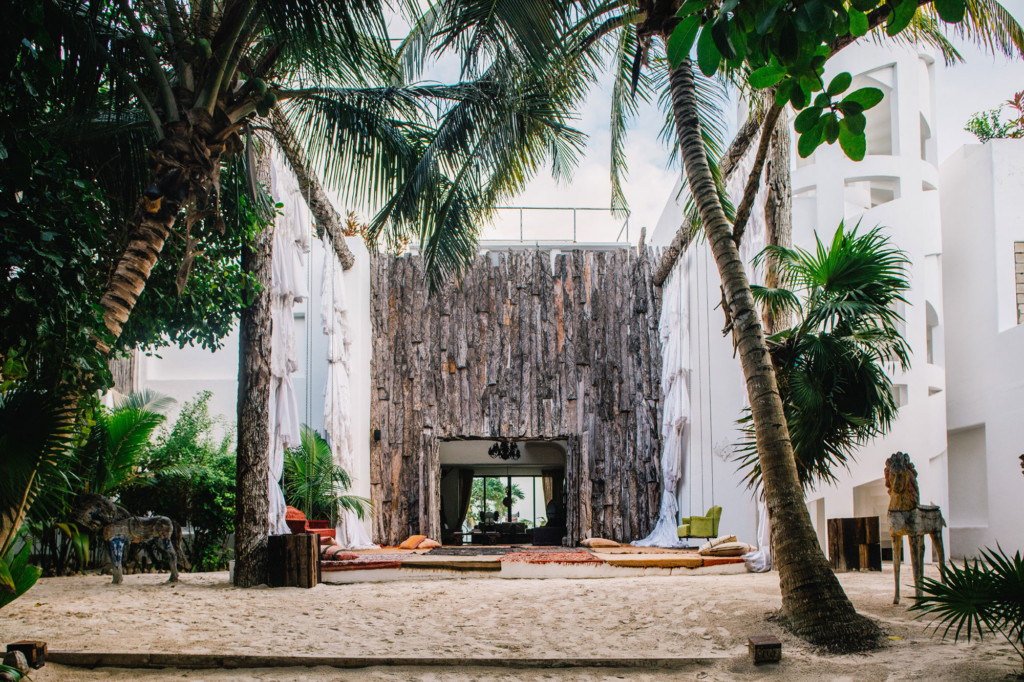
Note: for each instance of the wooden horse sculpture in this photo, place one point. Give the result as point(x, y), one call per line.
point(908, 517)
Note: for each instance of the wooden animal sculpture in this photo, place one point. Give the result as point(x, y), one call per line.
point(908, 517)
point(119, 528)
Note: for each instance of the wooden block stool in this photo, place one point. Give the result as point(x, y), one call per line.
point(764, 649)
point(35, 652)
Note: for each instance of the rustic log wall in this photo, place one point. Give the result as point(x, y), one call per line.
point(534, 344)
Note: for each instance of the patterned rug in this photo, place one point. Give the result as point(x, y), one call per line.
point(484, 550)
point(549, 557)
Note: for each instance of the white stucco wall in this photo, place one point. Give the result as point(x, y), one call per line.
point(982, 216)
point(827, 188)
point(182, 373)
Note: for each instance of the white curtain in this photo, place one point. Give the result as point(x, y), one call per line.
point(351, 533)
point(291, 244)
point(673, 328)
point(754, 240)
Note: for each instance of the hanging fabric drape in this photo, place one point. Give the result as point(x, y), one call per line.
point(754, 241)
point(673, 328)
point(334, 316)
point(291, 244)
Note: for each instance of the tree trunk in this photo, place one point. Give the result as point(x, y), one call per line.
point(252, 520)
point(813, 602)
point(778, 213)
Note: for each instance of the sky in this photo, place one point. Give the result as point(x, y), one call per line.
point(982, 82)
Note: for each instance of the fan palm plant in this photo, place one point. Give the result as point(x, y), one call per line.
point(986, 594)
point(315, 484)
point(831, 364)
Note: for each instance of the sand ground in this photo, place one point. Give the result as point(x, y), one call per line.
point(691, 616)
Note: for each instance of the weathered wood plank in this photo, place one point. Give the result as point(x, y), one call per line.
point(529, 346)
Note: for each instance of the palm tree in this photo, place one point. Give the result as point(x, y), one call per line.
point(831, 364)
point(783, 46)
point(316, 485)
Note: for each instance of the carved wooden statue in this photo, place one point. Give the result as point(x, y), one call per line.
point(908, 517)
point(119, 528)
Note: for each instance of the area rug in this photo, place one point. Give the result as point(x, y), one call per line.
point(485, 550)
point(548, 557)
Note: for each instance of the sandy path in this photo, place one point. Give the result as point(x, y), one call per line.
point(697, 616)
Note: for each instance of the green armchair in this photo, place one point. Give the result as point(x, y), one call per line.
point(700, 526)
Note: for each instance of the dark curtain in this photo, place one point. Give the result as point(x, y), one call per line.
point(465, 493)
point(554, 482)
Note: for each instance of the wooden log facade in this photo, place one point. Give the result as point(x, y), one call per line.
point(534, 344)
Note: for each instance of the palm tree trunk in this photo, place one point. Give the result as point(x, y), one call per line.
point(252, 514)
point(326, 217)
point(778, 212)
point(813, 602)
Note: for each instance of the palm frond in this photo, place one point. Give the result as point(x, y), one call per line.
point(987, 24)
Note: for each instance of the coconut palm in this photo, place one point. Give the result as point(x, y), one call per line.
point(771, 43)
point(831, 364)
point(314, 484)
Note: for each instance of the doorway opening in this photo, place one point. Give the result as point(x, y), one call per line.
point(487, 499)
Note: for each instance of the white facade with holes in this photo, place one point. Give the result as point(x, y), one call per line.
point(970, 468)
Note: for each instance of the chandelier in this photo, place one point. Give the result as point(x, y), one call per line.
point(504, 450)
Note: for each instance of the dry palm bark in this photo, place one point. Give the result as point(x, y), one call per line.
point(252, 515)
point(813, 602)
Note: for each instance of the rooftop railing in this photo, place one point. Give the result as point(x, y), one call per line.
point(572, 224)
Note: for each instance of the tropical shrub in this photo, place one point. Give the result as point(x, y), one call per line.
point(988, 125)
point(191, 479)
point(985, 594)
point(831, 364)
point(314, 484)
point(16, 575)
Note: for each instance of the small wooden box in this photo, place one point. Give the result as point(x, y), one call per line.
point(35, 652)
point(764, 649)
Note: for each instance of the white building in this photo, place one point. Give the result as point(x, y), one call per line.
point(983, 275)
point(980, 217)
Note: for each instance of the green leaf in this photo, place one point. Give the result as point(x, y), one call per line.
point(839, 84)
point(866, 97)
point(766, 76)
point(784, 92)
point(901, 16)
point(864, 5)
point(708, 56)
point(765, 21)
point(854, 144)
point(810, 140)
point(951, 11)
point(720, 33)
point(822, 100)
point(6, 580)
point(691, 6)
point(807, 119)
point(681, 41)
point(799, 97)
point(831, 131)
point(858, 22)
point(856, 122)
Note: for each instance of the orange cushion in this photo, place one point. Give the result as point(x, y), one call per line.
point(293, 514)
point(412, 542)
point(428, 544)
